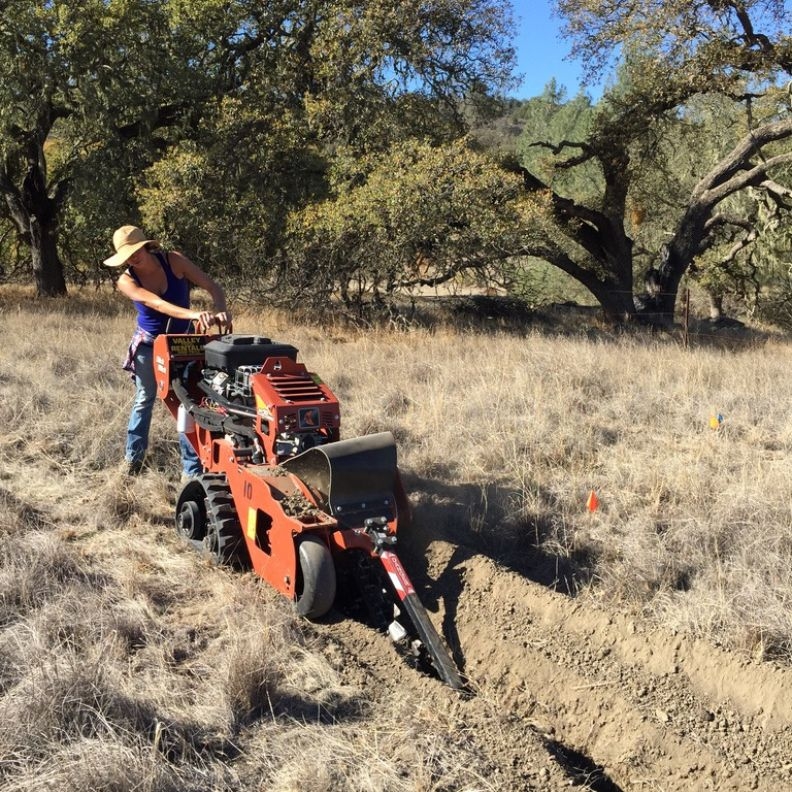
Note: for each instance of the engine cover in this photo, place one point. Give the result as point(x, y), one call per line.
point(231, 351)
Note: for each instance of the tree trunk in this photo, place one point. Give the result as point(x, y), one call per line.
point(46, 263)
point(617, 302)
point(676, 258)
point(35, 215)
point(715, 307)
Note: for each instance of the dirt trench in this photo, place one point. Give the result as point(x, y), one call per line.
point(570, 694)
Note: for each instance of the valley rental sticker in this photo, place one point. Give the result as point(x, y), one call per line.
point(186, 346)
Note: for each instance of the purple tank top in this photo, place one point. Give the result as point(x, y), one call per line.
point(176, 292)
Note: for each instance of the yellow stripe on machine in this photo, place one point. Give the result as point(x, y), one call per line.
point(251, 522)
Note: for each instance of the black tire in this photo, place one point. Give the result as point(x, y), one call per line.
point(191, 512)
point(223, 537)
point(316, 578)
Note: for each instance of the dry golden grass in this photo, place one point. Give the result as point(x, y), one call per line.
point(127, 663)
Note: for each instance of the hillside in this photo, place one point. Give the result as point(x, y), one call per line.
point(642, 646)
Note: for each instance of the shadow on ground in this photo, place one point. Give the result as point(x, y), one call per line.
point(484, 521)
point(504, 314)
point(478, 521)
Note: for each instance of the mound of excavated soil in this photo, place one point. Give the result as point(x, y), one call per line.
point(568, 693)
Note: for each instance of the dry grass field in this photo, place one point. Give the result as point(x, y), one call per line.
point(645, 645)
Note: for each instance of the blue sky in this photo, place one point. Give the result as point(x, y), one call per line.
point(541, 51)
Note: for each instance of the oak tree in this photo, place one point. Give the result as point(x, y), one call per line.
point(671, 51)
point(79, 78)
point(335, 86)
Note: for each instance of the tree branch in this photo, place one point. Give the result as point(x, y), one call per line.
point(60, 193)
point(164, 116)
point(557, 148)
point(736, 160)
point(587, 232)
point(777, 193)
point(557, 257)
point(753, 177)
point(738, 246)
point(720, 220)
point(14, 202)
point(751, 37)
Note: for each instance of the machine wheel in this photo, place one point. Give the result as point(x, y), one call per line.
point(223, 537)
point(316, 579)
point(191, 512)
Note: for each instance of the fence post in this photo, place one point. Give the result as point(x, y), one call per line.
point(687, 318)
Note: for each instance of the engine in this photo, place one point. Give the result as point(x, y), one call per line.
point(234, 388)
point(264, 387)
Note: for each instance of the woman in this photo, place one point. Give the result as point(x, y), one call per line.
point(158, 283)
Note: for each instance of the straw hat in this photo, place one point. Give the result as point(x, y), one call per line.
point(126, 241)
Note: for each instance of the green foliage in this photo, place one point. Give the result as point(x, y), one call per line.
point(538, 283)
point(691, 41)
point(667, 167)
point(221, 116)
point(772, 262)
point(100, 201)
point(667, 163)
point(417, 215)
point(332, 93)
point(319, 145)
point(85, 87)
point(554, 131)
point(319, 104)
point(652, 177)
point(223, 198)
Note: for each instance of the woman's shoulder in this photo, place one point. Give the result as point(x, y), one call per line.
point(180, 264)
point(126, 281)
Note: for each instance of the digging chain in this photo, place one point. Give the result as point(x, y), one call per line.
point(369, 582)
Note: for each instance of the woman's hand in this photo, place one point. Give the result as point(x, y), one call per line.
point(223, 320)
point(205, 319)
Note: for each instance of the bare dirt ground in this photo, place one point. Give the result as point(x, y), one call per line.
point(569, 693)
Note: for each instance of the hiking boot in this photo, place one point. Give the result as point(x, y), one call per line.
point(133, 467)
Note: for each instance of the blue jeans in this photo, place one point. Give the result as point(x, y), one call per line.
point(140, 417)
